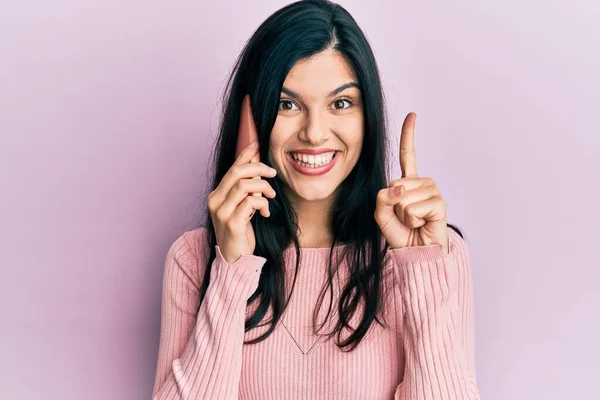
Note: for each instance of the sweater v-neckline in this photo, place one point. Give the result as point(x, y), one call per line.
point(301, 337)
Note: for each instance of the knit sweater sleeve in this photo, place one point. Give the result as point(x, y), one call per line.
point(437, 299)
point(200, 350)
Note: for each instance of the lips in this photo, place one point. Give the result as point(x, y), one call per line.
point(313, 171)
point(313, 160)
point(312, 151)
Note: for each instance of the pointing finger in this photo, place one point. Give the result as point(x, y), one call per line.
point(408, 159)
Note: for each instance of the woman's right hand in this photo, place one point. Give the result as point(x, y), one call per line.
point(232, 205)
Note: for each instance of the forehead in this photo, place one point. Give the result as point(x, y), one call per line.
point(320, 74)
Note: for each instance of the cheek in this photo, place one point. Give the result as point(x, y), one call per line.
point(351, 132)
point(280, 134)
point(282, 131)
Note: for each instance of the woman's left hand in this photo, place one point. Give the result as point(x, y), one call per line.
point(411, 211)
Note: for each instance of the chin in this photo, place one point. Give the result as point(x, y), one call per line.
point(314, 193)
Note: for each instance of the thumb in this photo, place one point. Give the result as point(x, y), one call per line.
point(386, 202)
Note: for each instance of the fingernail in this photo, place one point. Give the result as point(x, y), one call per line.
point(254, 143)
point(396, 190)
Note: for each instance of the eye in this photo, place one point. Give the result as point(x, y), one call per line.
point(339, 104)
point(288, 105)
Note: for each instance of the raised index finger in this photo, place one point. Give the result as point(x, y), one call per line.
point(408, 157)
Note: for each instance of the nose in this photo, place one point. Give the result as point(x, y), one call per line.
point(315, 131)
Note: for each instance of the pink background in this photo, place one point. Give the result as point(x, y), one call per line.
point(106, 112)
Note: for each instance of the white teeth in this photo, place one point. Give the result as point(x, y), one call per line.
point(313, 160)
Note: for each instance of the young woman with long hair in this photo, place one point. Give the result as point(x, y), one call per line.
point(345, 284)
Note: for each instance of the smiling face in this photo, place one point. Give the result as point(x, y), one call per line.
point(318, 134)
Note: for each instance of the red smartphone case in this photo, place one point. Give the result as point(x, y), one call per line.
point(247, 131)
point(247, 134)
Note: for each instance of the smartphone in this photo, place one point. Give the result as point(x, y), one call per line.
point(247, 133)
point(247, 130)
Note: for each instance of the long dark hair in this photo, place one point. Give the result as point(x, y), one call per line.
point(294, 32)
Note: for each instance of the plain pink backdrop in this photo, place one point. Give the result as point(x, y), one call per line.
point(106, 112)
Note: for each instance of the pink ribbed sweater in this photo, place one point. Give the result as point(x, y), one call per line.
point(427, 352)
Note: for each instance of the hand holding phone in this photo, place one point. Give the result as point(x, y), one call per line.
point(240, 194)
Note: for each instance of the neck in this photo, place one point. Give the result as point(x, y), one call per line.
point(314, 222)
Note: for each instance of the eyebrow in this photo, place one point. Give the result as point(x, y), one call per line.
point(332, 93)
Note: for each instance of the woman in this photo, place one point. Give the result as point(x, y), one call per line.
point(342, 286)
